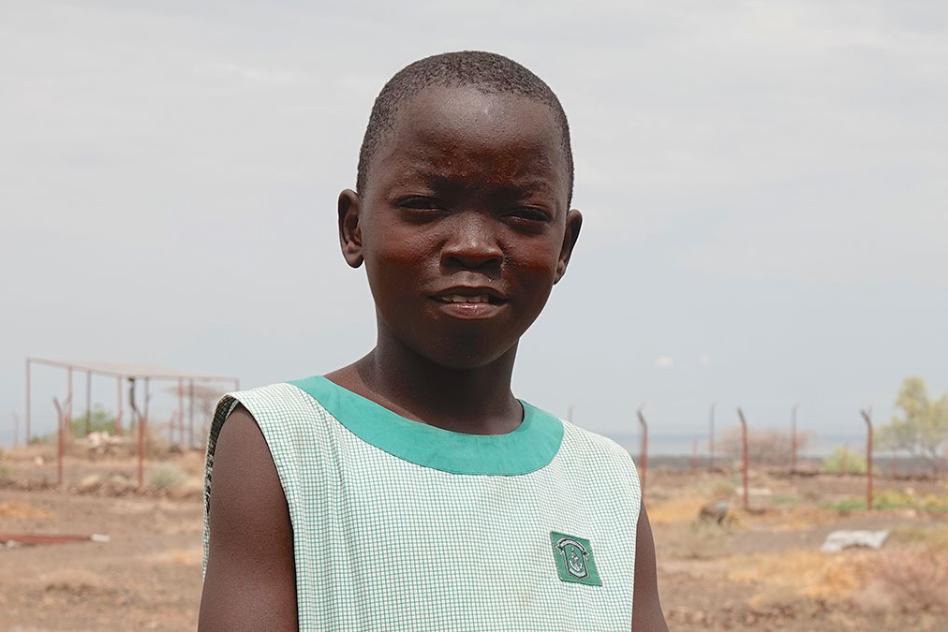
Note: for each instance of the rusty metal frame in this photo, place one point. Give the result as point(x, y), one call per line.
point(65, 410)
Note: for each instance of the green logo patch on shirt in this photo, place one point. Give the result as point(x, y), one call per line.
point(574, 559)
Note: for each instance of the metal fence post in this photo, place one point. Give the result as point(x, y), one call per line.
point(867, 417)
point(740, 414)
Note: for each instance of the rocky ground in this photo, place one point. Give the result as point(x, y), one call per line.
point(755, 570)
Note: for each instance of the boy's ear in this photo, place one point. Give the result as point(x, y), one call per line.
point(350, 232)
point(574, 222)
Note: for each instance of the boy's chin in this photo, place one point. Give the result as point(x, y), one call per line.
point(467, 357)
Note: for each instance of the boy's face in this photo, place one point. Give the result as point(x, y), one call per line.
point(463, 224)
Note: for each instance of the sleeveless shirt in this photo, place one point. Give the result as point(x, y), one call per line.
point(399, 525)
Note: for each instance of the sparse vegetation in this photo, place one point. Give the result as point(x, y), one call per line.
point(165, 476)
point(922, 427)
point(934, 537)
point(765, 446)
point(847, 505)
point(844, 461)
point(98, 420)
point(894, 499)
point(785, 500)
point(916, 578)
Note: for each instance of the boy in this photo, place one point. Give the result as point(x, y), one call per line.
point(410, 490)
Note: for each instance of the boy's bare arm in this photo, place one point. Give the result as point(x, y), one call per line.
point(250, 582)
point(647, 613)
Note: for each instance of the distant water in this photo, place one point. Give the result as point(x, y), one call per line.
point(670, 444)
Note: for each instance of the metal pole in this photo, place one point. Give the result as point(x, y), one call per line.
point(740, 414)
point(171, 428)
point(139, 421)
point(711, 438)
point(793, 438)
point(181, 410)
point(59, 443)
point(16, 429)
point(867, 416)
point(191, 413)
point(29, 397)
point(643, 451)
point(141, 436)
point(69, 398)
point(88, 399)
point(118, 412)
point(147, 395)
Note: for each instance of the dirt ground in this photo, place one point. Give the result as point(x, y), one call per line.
point(758, 570)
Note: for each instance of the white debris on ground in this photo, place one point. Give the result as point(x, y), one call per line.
point(839, 540)
point(103, 444)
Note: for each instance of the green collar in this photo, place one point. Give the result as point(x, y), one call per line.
point(528, 448)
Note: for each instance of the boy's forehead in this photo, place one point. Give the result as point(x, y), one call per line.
point(441, 122)
point(470, 114)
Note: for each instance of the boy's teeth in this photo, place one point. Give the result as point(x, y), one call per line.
point(454, 298)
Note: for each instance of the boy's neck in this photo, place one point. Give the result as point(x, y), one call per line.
point(473, 401)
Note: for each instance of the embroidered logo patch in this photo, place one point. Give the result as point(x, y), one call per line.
point(574, 559)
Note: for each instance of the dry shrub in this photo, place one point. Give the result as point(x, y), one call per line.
point(844, 461)
point(800, 518)
point(675, 510)
point(75, 582)
point(165, 476)
point(703, 541)
point(22, 510)
point(916, 577)
point(912, 579)
point(933, 537)
point(765, 446)
point(801, 573)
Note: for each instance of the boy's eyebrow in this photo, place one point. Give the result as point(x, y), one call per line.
point(515, 187)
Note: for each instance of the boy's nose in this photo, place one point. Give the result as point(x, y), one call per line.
point(472, 244)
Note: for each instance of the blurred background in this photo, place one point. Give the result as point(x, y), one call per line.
point(766, 219)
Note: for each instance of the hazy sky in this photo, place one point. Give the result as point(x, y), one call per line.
point(765, 188)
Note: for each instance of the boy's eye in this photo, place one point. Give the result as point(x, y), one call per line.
point(420, 203)
point(527, 213)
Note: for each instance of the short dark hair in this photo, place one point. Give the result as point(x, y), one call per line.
point(488, 72)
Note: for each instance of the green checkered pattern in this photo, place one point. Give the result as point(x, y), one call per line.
point(382, 543)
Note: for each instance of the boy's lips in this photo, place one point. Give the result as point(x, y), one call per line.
point(470, 302)
point(470, 294)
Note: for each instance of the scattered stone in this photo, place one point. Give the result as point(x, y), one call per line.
point(715, 511)
point(839, 540)
point(119, 485)
point(100, 444)
point(696, 617)
point(89, 484)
